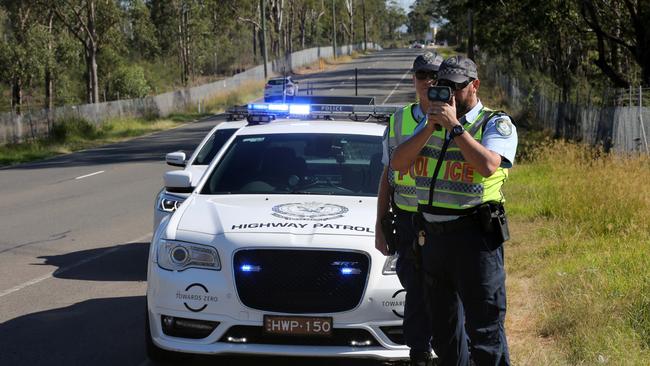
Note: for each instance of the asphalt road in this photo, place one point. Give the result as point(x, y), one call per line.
point(75, 230)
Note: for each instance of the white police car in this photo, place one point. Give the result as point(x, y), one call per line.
point(273, 252)
point(167, 202)
point(280, 89)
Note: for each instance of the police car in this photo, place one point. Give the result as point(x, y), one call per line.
point(273, 251)
point(280, 89)
point(166, 202)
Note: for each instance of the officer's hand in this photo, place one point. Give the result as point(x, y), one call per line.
point(380, 241)
point(443, 114)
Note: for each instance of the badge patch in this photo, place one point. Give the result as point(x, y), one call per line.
point(504, 127)
point(309, 211)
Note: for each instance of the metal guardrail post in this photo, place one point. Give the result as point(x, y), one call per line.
point(356, 81)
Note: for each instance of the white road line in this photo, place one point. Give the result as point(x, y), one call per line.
point(65, 269)
point(396, 85)
point(90, 175)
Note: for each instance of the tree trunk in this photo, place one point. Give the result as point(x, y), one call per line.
point(303, 25)
point(88, 76)
point(92, 50)
point(49, 81)
point(365, 25)
point(93, 73)
point(17, 95)
point(470, 31)
point(254, 44)
point(182, 55)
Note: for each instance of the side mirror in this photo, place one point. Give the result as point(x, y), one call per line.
point(178, 181)
point(176, 158)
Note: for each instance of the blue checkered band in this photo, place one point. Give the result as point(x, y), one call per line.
point(405, 190)
point(434, 153)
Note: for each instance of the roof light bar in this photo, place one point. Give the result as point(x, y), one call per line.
point(266, 112)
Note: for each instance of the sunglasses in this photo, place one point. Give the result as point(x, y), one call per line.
point(454, 86)
point(424, 75)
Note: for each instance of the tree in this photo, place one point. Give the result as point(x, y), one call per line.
point(22, 50)
point(142, 32)
point(619, 26)
point(90, 22)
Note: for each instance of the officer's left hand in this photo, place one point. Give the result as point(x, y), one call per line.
point(443, 114)
point(380, 240)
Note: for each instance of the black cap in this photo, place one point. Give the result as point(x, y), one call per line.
point(427, 61)
point(458, 69)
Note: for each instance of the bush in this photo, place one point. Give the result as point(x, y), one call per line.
point(129, 82)
point(74, 128)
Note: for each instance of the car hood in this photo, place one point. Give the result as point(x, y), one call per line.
point(293, 214)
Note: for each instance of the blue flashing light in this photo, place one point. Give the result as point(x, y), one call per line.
point(350, 271)
point(299, 109)
point(250, 268)
point(292, 109)
point(258, 107)
point(279, 107)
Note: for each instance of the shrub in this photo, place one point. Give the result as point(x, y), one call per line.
point(73, 128)
point(129, 82)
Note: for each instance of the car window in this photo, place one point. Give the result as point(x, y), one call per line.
point(329, 164)
point(213, 145)
point(277, 82)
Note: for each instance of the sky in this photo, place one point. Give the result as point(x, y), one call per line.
point(405, 4)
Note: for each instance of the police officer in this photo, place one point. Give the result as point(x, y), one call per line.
point(397, 203)
point(461, 222)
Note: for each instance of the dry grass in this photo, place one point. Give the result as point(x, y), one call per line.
point(221, 101)
point(578, 281)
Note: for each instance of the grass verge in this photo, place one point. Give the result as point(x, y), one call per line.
point(77, 134)
point(579, 285)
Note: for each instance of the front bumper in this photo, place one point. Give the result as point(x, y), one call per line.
point(211, 296)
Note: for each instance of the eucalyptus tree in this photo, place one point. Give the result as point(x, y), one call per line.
point(92, 23)
point(621, 30)
point(141, 31)
point(22, 47)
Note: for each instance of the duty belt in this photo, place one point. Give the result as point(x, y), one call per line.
point(461, 223)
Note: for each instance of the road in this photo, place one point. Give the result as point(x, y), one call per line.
point(76, 230)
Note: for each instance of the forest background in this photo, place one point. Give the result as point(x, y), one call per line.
point(578, 281)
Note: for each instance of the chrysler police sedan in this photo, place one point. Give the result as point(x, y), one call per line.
point(167, 202)
point(273, 251)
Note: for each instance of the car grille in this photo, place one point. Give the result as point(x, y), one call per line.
point(339, 337)
point(300, 281)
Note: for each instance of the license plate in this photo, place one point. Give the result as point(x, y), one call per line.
point(298, 325)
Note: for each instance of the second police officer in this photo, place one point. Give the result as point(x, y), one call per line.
point(396, 205)
point(461, 222)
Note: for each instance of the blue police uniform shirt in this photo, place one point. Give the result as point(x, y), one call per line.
point(418, 115)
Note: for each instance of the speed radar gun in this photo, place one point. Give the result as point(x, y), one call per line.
point(439, 94)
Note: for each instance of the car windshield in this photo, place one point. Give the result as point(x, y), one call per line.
point(213, 145)
point(327, 164)
point(278, 81)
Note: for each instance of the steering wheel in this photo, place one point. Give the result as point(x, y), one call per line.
point(319, 183)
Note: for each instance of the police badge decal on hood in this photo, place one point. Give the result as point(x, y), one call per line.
point(314, 211)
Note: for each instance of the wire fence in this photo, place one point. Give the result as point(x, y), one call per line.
point(617, 120)
point(33, 124)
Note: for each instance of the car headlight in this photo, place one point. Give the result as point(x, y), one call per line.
point(178, 256)
point(169, 203)
point(390, 266)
